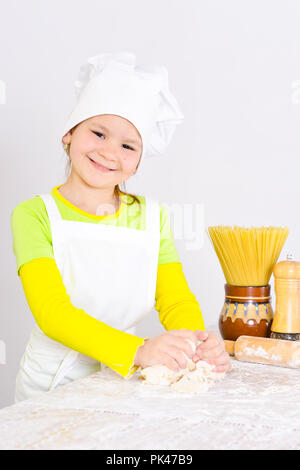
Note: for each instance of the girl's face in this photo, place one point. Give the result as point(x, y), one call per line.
point(105, 150)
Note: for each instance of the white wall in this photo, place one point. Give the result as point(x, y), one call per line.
point(233, 66)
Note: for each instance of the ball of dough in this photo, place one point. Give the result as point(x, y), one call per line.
point(194, 378)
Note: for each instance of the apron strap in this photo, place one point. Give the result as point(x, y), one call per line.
point(52, 209)
point(152, 216)
point(153, 229)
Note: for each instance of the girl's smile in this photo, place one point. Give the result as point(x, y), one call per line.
point(100, 167)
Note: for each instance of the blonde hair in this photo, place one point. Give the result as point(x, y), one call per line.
point(118, 191)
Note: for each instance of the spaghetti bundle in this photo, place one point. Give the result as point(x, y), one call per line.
point(247, 255)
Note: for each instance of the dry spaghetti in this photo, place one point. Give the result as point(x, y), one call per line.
point(247, 255)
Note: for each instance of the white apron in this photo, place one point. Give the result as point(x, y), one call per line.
point(110, 272)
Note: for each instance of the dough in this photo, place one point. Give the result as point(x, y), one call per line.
point(195, 378)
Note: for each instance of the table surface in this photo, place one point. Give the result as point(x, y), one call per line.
point(254, 407)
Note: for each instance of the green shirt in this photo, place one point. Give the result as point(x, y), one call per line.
point(31, 231)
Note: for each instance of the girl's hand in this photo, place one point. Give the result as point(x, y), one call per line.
point(167, 349)
point(212, 350)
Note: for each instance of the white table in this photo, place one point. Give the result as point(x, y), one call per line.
point(255, 407)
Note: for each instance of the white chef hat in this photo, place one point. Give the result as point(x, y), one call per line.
point(113, 84)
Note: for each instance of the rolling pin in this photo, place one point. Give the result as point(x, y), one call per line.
point(276, 352)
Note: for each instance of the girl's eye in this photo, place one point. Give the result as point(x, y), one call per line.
point(98, 133)
point(125, 145)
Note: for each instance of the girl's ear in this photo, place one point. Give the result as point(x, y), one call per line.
point(67, 138)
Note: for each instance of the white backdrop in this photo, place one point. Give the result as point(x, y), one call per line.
point(234, 67)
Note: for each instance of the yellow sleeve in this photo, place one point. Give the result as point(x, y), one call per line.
point(60, 320)
point(177, 306)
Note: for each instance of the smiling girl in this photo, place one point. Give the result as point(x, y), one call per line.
point(95, 260)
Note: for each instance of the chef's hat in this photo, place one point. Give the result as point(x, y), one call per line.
point(113, 84)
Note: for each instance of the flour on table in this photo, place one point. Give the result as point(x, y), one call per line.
point(195, 378)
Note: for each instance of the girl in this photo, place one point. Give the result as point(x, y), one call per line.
point(94, 260)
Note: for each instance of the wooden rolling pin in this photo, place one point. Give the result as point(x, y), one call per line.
point(277, 352)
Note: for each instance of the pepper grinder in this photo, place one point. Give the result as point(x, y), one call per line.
point(286, 321)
